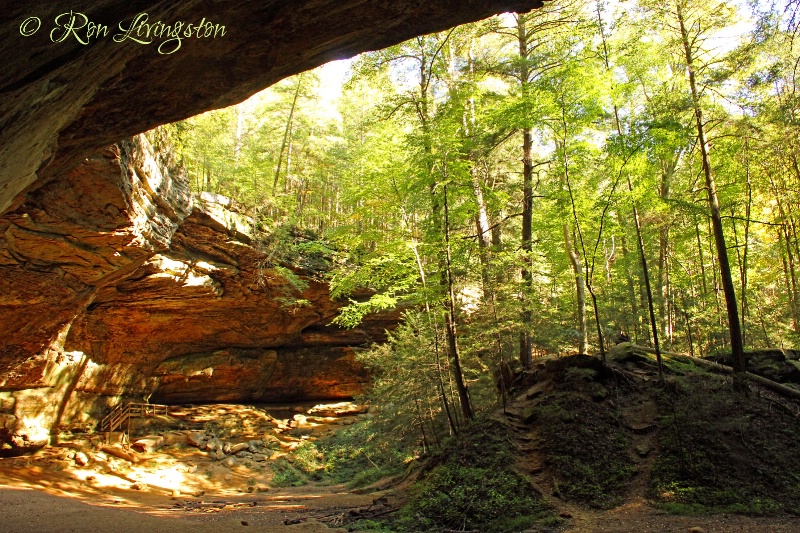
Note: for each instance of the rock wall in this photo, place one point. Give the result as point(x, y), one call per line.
point(115, 284)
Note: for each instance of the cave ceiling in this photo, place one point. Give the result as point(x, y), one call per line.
point(74, 79)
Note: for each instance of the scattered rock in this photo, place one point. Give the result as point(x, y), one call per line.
point(58, 466)
point(236, 448)
point(214, 444)
point(172, 438)
point(81, 459)
point(196, 438)
point(642, 449)
point(148, 444)
point(696, 529)
point(269, 439)
point(230, 462)
point(336, 409)
point(139, 485)
point(68, 455)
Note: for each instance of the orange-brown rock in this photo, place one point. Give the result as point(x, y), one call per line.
point(117, 285)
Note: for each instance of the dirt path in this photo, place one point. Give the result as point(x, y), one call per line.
point(81, 485)
point(182, 488)
point(32, 511)
point(639, 517)
point(39, 511)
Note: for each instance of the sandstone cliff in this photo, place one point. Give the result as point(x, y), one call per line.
point(116, 284)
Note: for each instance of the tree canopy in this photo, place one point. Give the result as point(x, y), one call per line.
point(540, 183)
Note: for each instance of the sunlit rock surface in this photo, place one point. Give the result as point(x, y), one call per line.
point(116, 285)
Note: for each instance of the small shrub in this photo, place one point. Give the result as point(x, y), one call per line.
point(474, 486)
point(285, 475)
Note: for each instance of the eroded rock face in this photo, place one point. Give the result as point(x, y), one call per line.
point(116, 285)
point(63, 100)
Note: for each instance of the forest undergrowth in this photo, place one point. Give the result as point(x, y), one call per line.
point(578, 434)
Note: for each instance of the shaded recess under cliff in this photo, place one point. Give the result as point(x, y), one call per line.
point(116, 283)
point(63, 100)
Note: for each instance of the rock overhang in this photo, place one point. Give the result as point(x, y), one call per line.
point(63, 100)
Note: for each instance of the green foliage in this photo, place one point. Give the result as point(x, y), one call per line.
point(611, 119)
point(598, 90)
point(286, 475)
point(473, 486)
point(307, 458)
point(358, 455)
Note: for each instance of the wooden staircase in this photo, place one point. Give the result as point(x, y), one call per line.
point(124, 412)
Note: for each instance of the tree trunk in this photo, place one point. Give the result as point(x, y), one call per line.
point(286, 134)
point(648, 291)
point(525, 354)
point(728, 288)
point(667, 170)
point(577, 269)
point(452, 344)
point(748, 207)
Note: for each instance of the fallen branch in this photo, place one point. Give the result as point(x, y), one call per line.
point(118, 452)
point(774, 386)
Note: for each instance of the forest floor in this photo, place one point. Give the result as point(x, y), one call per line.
point(179, 487)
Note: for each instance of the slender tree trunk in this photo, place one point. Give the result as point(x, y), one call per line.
point(452, 344)
point(631, 286)
point(688, 324)
point(737, 346)
point(702, 260)
point(744, 272)
point(286, 135)
point(648, 291)
point(668, 169)
point(790, 272)
point(577, 269)
point(484, 237)
point(525, 354)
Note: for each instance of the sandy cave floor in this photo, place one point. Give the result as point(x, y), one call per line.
point(181, 488)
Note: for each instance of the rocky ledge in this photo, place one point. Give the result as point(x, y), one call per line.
point(117, 285)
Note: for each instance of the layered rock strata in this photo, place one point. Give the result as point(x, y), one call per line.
point(115, 285)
